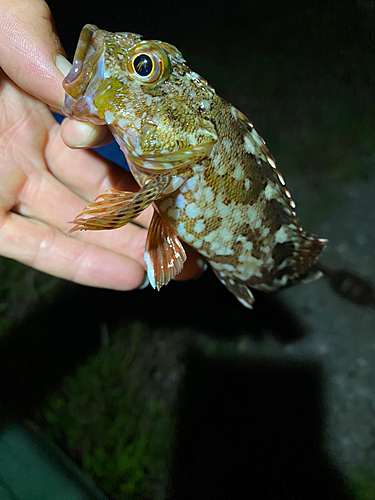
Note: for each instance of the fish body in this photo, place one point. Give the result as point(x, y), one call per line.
point(199, 162)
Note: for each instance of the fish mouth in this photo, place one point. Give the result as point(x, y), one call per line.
point(87, 67)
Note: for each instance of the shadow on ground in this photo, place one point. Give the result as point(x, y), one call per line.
point(51, 341)
point(252, 429)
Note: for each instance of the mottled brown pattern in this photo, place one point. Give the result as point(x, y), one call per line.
point(224, 195)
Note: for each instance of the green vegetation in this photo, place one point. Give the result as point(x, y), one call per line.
point(363, 482)
point(109, 419)
point(20, 289)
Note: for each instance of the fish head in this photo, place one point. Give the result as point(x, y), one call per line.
point(157, 108)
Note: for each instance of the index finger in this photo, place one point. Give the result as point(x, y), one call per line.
point(28, 45)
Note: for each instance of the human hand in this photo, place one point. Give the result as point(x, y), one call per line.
point(43, 182)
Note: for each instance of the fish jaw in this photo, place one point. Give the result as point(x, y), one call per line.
point(86, 74)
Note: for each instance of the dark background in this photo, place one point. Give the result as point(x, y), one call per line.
point(221, 29)
point(321, 31)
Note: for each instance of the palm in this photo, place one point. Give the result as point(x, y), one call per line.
point(43, 185)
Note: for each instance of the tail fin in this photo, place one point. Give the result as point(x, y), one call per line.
point(296, 259)
point(305, 256)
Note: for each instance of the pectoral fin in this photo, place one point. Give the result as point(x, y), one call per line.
point(164, 255)
point(116, 208)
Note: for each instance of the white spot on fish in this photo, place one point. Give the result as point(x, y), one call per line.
point(138, 124)
point(249, 145)
point(257, 138)
point(123, 122)
point(251, 214)
point(181, 230)
point(176, 182)
point(206, 105)
point(191, 183)
point(108, 116)
point(237, 214)
point(269, 192)
point(219, 249)
point(189, 238)
point(227, 144)
point(149, 165)
point(199, 226)
point(192, 139)
point(192, 210)
point(180, 201)
point(194, 75)
point(208, 194)
point(228, 267)
point(238, 173)
point(221, 168)
point(210, 237)
point(223, 210)
point(226, 234)
point(281, 236)
point(234, 113)
point(199, 168)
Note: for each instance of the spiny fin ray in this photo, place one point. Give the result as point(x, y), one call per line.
point(164, 254)
point(115, 209)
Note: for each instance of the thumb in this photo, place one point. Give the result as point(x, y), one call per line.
point(28, 47)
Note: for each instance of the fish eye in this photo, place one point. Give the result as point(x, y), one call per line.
point(148, 63)
point(143, 65)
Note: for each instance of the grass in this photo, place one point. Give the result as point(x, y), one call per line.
point(109, 419)
point(20, 289)
point(363, 481)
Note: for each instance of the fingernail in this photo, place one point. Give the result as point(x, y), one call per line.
point(144, 283)
point(86, 133)
point(62, 64)
point(78, 134)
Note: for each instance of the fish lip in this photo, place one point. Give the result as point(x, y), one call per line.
point(89, 50)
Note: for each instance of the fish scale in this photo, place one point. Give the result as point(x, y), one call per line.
point(197, 159)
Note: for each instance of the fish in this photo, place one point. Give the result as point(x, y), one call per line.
point(199, 162)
